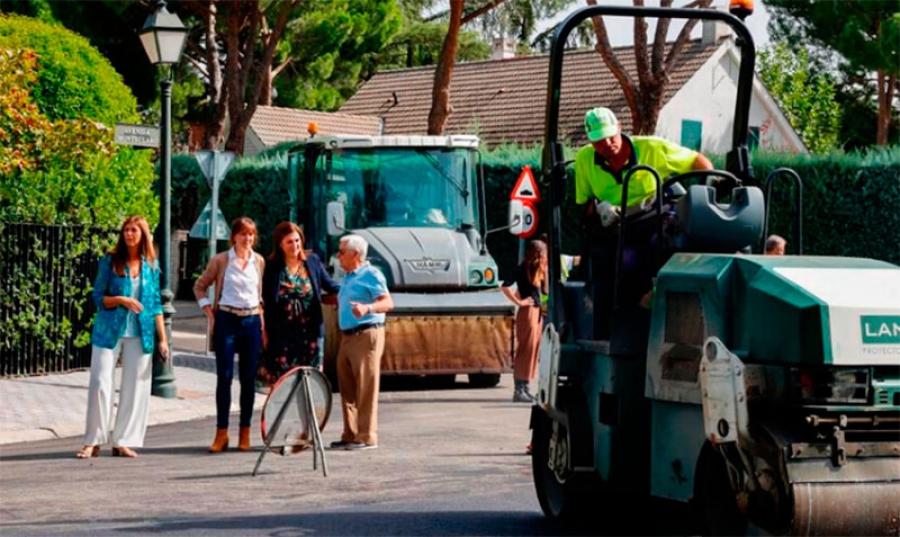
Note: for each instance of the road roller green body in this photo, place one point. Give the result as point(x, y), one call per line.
point(762, 392)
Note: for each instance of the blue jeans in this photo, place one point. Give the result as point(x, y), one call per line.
point(243, 335)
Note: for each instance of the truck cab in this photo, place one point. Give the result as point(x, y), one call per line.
point(418, 201)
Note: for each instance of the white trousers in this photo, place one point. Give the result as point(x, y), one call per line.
point(134, 395)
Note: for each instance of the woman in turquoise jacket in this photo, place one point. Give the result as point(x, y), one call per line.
point(126, 294)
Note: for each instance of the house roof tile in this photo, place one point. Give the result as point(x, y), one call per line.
point(274, 124)
point(505, 100)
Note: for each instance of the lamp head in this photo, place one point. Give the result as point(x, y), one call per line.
point(163, 36)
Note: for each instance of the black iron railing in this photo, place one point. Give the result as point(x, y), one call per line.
point(46, 273)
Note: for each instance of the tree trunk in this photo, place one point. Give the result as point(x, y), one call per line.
point(214, 126)
point(443, 72)
point(265, 92)
point(245, 80)
point(885, 88)
point(646, 98)
point(255, 70)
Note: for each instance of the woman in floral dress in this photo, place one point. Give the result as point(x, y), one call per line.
point(293, 283)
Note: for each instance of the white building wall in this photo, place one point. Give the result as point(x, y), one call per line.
point(252, 143)
point(709, 97)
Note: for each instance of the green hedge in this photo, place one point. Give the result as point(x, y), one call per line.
point(254, 187)
point(851, 201)
point(74, 79)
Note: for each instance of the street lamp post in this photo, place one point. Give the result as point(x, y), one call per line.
point(163, 37)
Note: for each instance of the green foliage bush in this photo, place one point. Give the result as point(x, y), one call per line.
point(255, 186)
point(74, 79)
point(56, 172)
point(850, 200)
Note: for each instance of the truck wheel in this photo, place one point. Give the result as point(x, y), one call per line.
point(484, 380)
point(714, 499)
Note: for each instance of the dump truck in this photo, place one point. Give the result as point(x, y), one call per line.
point(760, 393)
point(419, 202)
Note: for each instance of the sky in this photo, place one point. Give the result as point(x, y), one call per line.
point(621, 34)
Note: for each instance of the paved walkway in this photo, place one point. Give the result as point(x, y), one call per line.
point(54, 406)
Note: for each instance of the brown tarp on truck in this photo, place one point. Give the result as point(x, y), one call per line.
point(437, 344)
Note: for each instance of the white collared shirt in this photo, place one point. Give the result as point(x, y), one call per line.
point(240, 287)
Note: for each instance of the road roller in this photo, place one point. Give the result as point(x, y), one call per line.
point(761, 393)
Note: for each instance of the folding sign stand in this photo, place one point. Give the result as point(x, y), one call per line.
point(299, 405)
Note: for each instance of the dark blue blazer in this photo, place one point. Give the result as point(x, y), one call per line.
point(318, 277)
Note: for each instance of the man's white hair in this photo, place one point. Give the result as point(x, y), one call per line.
point(357, 244)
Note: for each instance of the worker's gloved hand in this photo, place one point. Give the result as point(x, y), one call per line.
point(609, 213)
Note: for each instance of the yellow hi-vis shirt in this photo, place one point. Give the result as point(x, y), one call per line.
point(594, 178)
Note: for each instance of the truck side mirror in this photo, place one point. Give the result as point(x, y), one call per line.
point(334, 217)
point(516, 217)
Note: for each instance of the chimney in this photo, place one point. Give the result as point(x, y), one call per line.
point(503, 48)
point(713, 31)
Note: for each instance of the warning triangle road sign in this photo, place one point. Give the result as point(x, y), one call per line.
point(526, 187)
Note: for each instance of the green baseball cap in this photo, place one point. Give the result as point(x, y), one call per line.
point(600, 123)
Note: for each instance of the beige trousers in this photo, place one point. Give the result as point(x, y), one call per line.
point(359, 377)
point(528, 343)
point(134, 395)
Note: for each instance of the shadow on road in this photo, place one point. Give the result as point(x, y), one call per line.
point(471, 523)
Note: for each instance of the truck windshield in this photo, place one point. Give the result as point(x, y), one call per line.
point(405, 187)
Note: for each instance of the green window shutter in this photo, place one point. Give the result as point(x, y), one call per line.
point(753, 138)
point(691, 134)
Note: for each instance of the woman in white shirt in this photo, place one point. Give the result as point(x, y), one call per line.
point(235, 318)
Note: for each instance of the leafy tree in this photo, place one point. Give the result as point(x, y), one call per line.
point(505, 16)
point(519, 19)
point(866, 36)
point(233, 46)
point(443, 71)
point(240, 48)
point(807, 100)
point(329, 48)
point(58, 163)
point(419, 43)
point(645, 95)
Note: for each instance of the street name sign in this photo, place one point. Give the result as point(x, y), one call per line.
point(137, 135)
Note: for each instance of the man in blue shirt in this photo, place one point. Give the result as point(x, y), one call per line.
point(362, 303)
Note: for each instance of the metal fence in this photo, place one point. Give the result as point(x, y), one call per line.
point(45, 308)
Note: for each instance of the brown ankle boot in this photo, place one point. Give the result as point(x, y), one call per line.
point(244, 440)
point(220, 443)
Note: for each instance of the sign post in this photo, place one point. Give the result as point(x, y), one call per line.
point(214, 165)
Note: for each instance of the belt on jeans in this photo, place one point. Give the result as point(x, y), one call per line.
point(362, 328)
point(240, 312)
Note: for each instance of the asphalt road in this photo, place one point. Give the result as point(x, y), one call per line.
point(450, 462)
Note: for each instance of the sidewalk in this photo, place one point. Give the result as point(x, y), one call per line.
point(54, 406)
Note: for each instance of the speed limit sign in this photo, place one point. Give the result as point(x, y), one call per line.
point(524, 217)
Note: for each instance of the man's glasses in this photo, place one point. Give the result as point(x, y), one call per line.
point(342, 251)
